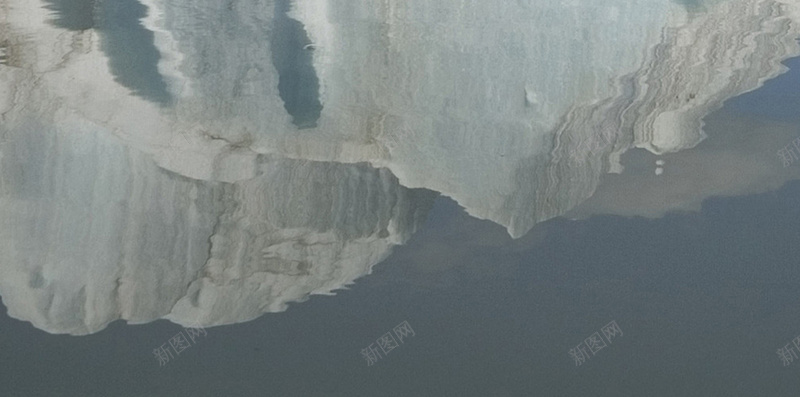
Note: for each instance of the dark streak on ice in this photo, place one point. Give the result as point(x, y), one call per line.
point(133, 56)
point(131, 49)
point(298, 84)
point(72, 14)
point(693, 6)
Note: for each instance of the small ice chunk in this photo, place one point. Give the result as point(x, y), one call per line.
point(530, 97)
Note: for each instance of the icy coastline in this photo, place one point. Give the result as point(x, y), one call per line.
point(514, 110)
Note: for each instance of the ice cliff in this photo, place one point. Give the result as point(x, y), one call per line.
point(278, 152)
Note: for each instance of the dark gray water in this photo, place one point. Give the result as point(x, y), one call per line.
point(298, 84)
point(703, 301)
point(777, 100)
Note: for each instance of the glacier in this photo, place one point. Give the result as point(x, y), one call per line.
point(214, 203)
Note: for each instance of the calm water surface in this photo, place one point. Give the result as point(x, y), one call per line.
point(702, 300)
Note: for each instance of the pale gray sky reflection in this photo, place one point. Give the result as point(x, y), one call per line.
point(738, 157)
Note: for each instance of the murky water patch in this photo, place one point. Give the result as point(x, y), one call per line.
point(292, 56)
